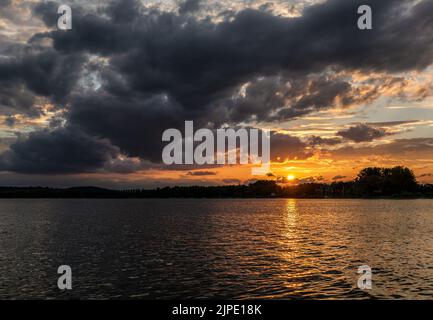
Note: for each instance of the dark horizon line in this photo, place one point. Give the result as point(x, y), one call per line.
point(259, 189)
point(371, 182)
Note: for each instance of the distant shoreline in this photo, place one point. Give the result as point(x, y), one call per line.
point(312, 191)
point(371, 183)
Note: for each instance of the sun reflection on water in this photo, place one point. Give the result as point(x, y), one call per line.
point(291, 216)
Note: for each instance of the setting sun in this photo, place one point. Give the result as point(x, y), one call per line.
point(290, 177)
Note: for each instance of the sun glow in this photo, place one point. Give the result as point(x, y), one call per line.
point(290, 177)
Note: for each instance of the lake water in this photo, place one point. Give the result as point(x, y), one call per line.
point(249, 248)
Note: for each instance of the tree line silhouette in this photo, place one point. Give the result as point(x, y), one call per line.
point(373, 182)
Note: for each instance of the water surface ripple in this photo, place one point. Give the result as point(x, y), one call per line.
point(249, 248)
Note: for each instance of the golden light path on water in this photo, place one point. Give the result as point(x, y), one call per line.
point(218, 248)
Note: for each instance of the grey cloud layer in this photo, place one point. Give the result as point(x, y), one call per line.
point(60, 151)
point(165, 68)
point(362, 132)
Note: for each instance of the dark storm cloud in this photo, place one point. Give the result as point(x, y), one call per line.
point(124, 11)
point(36, 71)
point(283, 98)
point(164, 68)
point(47, 11)
point(15, 98)
point(256, 41)
point(60, 151)
point(49, 73)
point(317, 141)
point(362, 133)
point(391, 123)
point(134, 124)
point(198, 62)
point(189, 6)
point(284, 147)
point(416, 148)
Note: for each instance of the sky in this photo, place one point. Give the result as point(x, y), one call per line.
point(88, 106)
